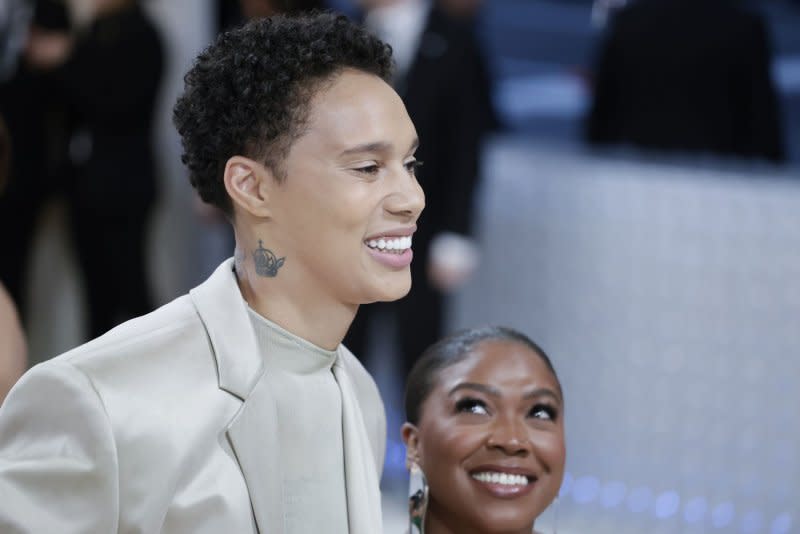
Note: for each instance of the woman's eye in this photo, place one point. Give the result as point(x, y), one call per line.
point(412, 166)
point(471, 406)
point(543, 411)
point(368, 169)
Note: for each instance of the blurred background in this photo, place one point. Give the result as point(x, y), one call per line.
point(636, 211)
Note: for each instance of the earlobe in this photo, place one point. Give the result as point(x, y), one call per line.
point(410, 436)
point(246, 182)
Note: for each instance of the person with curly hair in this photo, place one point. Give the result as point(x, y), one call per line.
point(236, 408)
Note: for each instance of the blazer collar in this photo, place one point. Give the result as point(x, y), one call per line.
point(254, 429)
point(253, 432)
point(223, 311)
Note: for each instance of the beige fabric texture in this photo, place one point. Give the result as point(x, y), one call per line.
point(167, 424)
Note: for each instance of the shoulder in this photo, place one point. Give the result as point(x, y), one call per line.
point(172, 319)
point(163, 347)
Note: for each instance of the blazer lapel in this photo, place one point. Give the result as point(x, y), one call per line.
point(361, 478)
point(253, 431)
point(253, 437)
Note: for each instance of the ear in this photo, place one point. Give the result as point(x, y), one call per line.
point(249, 183)
point(410, 435)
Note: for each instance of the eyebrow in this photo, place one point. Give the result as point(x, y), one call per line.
point(378, 146)
point(543, 392)
point(494, 392)
point(489, 390)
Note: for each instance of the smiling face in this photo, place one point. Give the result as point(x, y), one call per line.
point(490, 441)
point(344, 214)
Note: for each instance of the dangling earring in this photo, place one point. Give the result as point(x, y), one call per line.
point(417, 499)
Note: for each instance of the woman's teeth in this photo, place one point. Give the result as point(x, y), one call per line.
point(501, 478)
point(398, 244)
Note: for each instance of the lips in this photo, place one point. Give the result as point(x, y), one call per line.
point(392, 248)
point(504, 482)
point(405, 231)
point(390, 244)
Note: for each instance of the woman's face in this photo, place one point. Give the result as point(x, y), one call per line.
point(345, 214)
point(491, 440)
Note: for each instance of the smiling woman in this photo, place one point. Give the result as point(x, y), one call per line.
point(218, 401)
point(485, 425)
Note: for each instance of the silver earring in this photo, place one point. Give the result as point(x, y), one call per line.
point(417, 499)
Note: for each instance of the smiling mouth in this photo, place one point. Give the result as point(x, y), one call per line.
point(392, 245)
point(503, 479)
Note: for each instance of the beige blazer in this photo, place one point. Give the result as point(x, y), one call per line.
point(166, 424)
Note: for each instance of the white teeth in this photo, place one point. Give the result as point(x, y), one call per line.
point(394, 243)
point(505, 479)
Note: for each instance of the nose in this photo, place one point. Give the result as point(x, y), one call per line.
point(510, 436)
point(407, 198)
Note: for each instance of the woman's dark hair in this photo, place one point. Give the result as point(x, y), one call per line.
point(249, 92)
point(451, 350)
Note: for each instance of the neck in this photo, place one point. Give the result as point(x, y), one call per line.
point(290, 300)
point(438, 521)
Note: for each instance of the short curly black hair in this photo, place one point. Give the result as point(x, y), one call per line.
point(249, 92)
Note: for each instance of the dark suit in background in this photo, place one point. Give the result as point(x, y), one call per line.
point(687, 75)
point(112, 81)
point(38, 120)
point(446, 92)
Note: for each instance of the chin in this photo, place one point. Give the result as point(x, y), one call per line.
point(395, 288)
point(508, 516)
point(507, 524)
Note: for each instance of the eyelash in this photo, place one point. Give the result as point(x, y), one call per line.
point(468, 405)
point(552, 413)
point(410, 166)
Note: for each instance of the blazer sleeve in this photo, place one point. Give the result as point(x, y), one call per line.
point(58, 464)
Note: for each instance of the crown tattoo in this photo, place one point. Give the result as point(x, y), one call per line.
point(267, 264)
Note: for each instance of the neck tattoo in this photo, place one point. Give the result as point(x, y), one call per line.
point(267, 264)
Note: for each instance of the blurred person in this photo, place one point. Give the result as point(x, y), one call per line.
point(13, 348)
point(442, 79)
point(233, 13)
point(14, 21)
point(602, 10)
point(236, 408)
point(13, 352)
point(689, 76)
point(484, 434)
point(109, 73)
point(38, 120)
point(466, 10)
